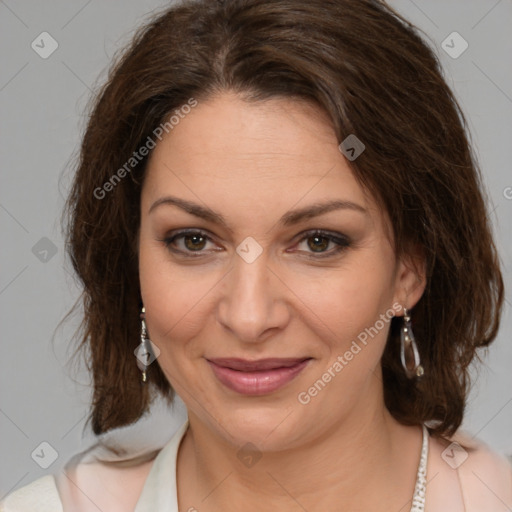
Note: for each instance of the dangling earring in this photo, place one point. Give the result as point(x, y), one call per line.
point(409, 350)
point(143, 352)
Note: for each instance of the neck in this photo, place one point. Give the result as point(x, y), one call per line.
point(367, 461)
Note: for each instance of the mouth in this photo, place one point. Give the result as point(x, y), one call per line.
point(258, 377)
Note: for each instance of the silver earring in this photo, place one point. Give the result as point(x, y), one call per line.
point(143, 351)
point(409, 350)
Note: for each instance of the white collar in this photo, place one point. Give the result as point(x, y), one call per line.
point(160, 491)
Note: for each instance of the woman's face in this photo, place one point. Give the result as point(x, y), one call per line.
point(252, 280)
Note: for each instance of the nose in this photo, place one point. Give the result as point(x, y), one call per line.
point(253, 302)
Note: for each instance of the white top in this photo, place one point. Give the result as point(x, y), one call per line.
point(159, 491)
point(481, 483)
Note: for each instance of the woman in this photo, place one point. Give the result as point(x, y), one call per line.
point(277, 210)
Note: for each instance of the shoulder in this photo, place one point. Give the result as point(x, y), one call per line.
point(486, 476)
point(85, 487)
point(102, 485)
point(479, 455)
point(479, 477)
point(38, 496)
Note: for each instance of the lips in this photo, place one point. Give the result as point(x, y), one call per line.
point(244, 365)
point(259, 377)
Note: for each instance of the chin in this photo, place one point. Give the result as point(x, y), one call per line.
point(264, 425)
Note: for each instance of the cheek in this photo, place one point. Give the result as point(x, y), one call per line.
point(176, 299)
point(352, 297)
point(355, 311)
point(169, 301)
point(159, 289)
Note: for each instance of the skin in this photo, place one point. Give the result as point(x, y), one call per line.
point(252, 163)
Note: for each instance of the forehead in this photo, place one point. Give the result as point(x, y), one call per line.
point(252, 155)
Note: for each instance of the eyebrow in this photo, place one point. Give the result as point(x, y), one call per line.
point(288, 219)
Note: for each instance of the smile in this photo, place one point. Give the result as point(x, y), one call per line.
point(256, 377)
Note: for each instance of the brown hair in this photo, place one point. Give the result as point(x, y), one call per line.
point(371, 72)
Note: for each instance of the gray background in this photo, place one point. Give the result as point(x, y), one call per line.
point(42, 114)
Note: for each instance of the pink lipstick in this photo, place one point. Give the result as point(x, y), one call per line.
point(258, 377)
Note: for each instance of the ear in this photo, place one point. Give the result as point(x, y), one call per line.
point(410, 280)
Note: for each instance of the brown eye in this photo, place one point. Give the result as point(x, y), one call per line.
point(188, 242)
point(318, 242)
point(194, 242)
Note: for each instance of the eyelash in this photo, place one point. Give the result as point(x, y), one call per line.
point(342, 242)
